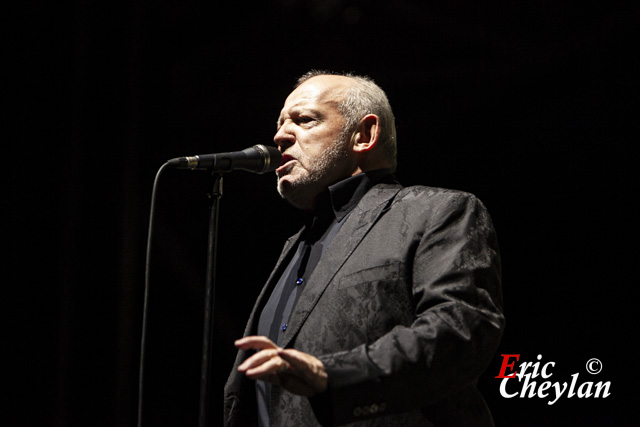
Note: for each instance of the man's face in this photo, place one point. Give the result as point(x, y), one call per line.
point(315, 153)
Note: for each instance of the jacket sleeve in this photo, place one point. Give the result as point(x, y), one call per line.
point(458, 323)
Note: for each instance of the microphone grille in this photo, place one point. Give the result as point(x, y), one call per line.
point(272, 157)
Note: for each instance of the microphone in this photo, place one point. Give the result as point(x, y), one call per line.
point(257, 159)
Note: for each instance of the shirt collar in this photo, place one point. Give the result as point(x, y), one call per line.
point(343, 196)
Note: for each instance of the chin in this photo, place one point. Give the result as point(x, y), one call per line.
point(296, 193)
point(287, 189)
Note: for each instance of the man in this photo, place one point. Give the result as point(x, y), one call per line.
point(386, 307)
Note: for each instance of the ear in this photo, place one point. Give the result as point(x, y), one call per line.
point(367, 134)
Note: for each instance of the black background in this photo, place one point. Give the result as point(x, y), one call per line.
point(530, 105)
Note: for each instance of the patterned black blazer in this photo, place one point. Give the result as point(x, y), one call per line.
point(404, 309)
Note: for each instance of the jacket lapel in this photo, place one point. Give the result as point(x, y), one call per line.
point(357, 225)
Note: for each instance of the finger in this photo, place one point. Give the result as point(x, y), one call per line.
point(255, 342)
point(296, 358)
point(258, 359)
point(272, 367)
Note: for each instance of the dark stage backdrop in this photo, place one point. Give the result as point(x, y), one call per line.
point(530, 105)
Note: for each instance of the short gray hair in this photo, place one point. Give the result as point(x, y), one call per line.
point(365, 97)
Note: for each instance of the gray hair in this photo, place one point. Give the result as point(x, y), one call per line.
point(365, 97)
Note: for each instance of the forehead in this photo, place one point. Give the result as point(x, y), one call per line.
point(318, 92)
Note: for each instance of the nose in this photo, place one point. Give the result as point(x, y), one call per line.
point(284, 138)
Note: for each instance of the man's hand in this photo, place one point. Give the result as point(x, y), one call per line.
point(298, 372)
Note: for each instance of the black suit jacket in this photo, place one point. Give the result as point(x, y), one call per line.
point(404, 310)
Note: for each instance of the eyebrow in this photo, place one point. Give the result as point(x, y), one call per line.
point(296, 110)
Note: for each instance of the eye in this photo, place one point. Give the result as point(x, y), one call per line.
point(305, 119)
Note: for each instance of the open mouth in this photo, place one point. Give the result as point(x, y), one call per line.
point(287, 162)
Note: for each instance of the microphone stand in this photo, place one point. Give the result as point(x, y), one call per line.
point(207, 337)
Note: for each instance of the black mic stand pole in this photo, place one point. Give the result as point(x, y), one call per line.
point(207, 337)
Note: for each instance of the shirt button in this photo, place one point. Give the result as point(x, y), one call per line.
point(300, 281)
point(284, 327)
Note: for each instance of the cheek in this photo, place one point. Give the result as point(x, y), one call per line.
point(305, 158)
point(310, 149)
point(311, 155)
